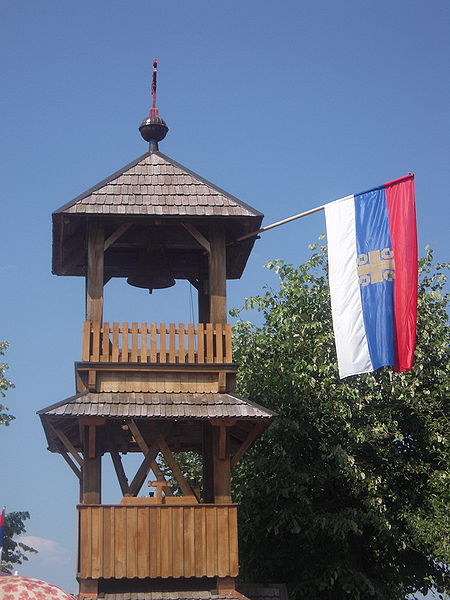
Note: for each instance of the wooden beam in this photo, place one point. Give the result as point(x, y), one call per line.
point(222, 442)
point(251, 437)
point(71, 464)
point(144, 449)
point(198, 236)
point(116, 235)
point(203, 302)
point(67, 444)
point(144, 469)
point(94, 276)
point(120, 472)
point(138, 436)
point(208, 464)
point(217, 276)
point(222, 470)
point(177, 473)
point(91, 441)
point(91, 473)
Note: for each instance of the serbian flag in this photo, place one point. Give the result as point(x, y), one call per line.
point(372, 256)
point(2, 526)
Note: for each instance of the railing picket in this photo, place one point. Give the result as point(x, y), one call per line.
point(219, 343)
point(191, 343)
point(124, 331)
point(86, 347)
point(105, 343)
point(96, 341)
point(209, 343)
point(171, 342)
point(143, 342)
point(134, 342)
point(201, 343)
point(162, 343)
point(115, 343)
point(228, 351)
point(181, 350)
point(153, 345)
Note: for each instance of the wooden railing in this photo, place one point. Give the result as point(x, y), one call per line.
point(150, 343)
point(158, 541)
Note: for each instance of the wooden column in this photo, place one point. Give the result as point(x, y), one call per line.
point(208, 463)
point(222, 470)
point(95, 272)
point(203, 301)
point(217, 275)
point(91, 472)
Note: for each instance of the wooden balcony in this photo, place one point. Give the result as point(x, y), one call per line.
point(146, 357)
point(198, 540)
point(149, 343)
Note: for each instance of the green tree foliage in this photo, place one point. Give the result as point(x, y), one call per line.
point(191, 466)
point(14, 553)
point(347, 494)
point(5, 417)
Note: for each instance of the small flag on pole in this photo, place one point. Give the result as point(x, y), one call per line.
point(2, 526)
point(372, 254)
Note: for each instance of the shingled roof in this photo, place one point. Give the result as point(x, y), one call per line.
point(155, 184)
point(158, 406)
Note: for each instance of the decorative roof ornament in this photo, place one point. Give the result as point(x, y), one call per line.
point(153, 129)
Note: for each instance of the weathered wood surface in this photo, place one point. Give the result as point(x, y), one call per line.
point(158, 541)
point(95, 272)
point(163, 382)
point(148, 343)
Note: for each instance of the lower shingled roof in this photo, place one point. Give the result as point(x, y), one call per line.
point(158, 406)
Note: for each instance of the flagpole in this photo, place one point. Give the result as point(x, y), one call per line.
point(278, 223)
point(314, 210)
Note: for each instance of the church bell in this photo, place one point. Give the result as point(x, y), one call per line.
point(152, 270)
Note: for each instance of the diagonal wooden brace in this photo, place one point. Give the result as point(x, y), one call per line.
point(177, 473)
point(144, 448)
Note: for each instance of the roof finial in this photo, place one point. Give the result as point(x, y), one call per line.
point(154, 111)
point(153, 129)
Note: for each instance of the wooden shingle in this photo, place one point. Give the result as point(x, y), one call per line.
point(158, 406)
point(150, 184)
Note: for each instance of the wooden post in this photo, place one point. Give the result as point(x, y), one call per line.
point(203, 302)
point(222, 469)
point(91, 472)
point(95, 272)
point(208, 464)
point(217, 275)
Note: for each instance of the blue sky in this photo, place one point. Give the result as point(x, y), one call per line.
point(285, 105)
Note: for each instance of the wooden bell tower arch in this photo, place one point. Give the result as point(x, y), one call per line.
point(155, 388)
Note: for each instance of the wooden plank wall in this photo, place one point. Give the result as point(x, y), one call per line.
point(149, 343)
point(158, 541)
point(186, 383)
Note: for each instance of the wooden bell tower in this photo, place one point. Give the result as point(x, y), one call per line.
point(155, 388)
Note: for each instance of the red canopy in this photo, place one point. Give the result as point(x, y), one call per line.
point(15, 587)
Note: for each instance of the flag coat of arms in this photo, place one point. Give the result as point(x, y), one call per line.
point(372, 254)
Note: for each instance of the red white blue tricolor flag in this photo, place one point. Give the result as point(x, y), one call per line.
point(372, 255)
